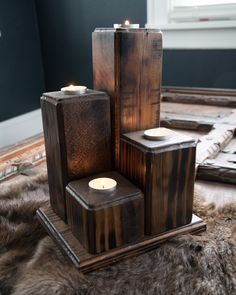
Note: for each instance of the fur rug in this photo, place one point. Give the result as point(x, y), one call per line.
point(30, 263)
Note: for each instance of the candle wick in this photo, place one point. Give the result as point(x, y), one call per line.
point(103, 186)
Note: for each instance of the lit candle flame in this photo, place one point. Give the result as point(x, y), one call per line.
point(127, 23)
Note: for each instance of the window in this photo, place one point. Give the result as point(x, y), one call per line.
point(202, 10)
point(194, 23)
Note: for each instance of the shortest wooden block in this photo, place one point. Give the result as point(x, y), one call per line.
point(103, 221)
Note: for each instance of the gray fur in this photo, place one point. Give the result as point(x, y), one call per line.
point(30, 263)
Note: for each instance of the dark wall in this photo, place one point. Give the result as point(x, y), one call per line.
point(63, 55)
point(21, 72)
point(200, 68)
point(66, 28)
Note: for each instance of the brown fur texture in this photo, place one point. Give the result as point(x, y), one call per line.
point(30, 263)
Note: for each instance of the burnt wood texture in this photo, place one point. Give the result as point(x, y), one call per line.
point(77, 140)
point(164, 170)
point(203, 96)
point(127, 64)
point(87, 262)
point(195, 116)
point(103, 221)
point(219, 163)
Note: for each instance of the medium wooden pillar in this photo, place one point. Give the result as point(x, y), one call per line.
point(77, 139)
point(127, 64)
point(164, 170)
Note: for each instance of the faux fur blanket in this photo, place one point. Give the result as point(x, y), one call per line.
point(30, 262)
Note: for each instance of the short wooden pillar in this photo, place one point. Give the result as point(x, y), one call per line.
point(127, 64)
point(164, 170)
point(77, 139)
point(103, 221)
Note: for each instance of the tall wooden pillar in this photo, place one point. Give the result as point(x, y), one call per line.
point(77, 140)
point(127, 64)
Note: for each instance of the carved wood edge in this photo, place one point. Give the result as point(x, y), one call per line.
point(199, 90)
point(220, 129)
point(209, 148)
point(216, 173)
point(205, 96)
point(185, 121)
point(212, 143)
point(22, 156)
point(200, 99)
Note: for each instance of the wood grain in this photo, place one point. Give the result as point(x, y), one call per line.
point(77, 140)
point(103, 221)
point(27, 153)
point(200, 90)
point(217, 172)
point(203, 96)
point(164, 170)
point(86, 262)
point(212, 143)
point(220, 167)
point(195, 117)
point(127, 64)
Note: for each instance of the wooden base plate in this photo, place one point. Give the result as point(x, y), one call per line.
point(87, 262)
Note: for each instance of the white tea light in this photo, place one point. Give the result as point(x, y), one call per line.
point(74, 89)
point(126, 25)
point(160, 133)
point(103, 185)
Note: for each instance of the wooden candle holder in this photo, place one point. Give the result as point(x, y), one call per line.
point(127, 64)
point(105, 228)
point(164, 170)
point(103, 221)
point(77, 139)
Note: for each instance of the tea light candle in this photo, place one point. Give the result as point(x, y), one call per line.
point(160, 133)
point(103, 185)
point(126, 25)
point(74, 89)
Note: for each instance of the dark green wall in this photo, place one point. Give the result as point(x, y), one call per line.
point(200, 68)
point(50, 41)
point(21, 72)
point(66, 27)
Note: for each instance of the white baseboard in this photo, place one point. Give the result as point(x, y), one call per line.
point(20, 127)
